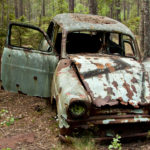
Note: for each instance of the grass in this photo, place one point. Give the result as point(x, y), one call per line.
point(84, 143)
point(58, 147)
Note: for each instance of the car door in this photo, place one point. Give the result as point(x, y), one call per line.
point(28, 61)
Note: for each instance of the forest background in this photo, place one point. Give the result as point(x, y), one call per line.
point(40, 12)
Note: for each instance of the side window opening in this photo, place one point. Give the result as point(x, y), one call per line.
point(58, 41)
point(55, 34)
point(50, 31)
point(114, 38)
point(128, 46)
point(27, 37)
point(114, 44)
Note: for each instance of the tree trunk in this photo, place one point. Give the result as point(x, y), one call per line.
point(138, 7)
point(118, 10)
point(142, 30)
point(40, 20)
point(60, 7)
point(2, 13)
point(71, 6)
point(16, 8)
point(21, 8)
point(8, 7)
point(111, 9)
point(93, 7)
point(146, 27)
point(124, 10)
point(53, 7)
point(24, 8)
point(29, 10)
point(128, 10)
point(43, 8)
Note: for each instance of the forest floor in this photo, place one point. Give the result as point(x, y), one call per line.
point(28, 123)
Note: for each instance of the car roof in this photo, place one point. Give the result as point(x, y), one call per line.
point(83, 22)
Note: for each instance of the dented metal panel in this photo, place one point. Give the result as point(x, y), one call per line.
point(66, 88)
point(28, 72)
point(111, 80)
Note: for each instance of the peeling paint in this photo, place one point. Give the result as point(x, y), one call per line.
point(107, 121)
point(141, 119)
point(69, 22)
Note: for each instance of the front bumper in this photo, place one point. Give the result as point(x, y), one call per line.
point(105, 127)
point(110, 119)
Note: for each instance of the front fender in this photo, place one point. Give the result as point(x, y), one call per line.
point(66, 88)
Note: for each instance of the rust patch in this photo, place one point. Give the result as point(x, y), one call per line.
point(134, 89)
point(82, 96)
point(100, 66)
point(82, 77)
point(63, 64)
point(92, 19)
point(115, 84)
point(109, 91)
point(100, 76)
point(60, 89)
point(35, 78)
point(110, 67)
point(68, 93)
point(122, 102)
point(88, 89)
point(78, 64)
point(134, 80)
point(131, 103)
point(17, 85)
point(56, 99)
point(129, 91)
point(148, 97)
point(104, 101)
point(130, 72)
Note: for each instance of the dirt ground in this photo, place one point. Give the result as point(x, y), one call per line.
point(35, 126)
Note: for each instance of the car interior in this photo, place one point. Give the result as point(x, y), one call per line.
point(89, 42)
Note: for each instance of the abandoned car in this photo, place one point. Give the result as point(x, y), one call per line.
point(89, 65)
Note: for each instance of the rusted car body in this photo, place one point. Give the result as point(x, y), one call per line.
point(91, 67)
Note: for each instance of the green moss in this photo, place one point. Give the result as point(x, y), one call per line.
point(77, 109)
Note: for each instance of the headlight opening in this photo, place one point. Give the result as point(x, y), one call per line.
point(77, 109)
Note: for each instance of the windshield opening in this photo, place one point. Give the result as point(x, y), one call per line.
point(99, 42)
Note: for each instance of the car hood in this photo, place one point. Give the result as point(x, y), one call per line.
point(111, 80)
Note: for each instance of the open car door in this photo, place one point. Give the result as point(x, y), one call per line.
point(28, 61)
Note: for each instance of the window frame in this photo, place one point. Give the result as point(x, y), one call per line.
point(8, 41)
